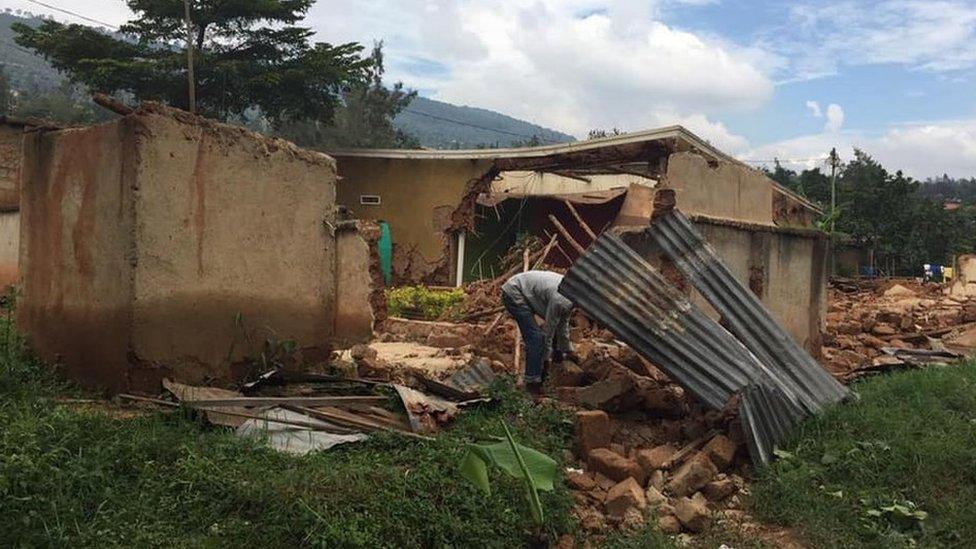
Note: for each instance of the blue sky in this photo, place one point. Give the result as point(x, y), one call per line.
point(759, 79)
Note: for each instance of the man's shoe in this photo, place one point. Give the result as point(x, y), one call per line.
point(534, 388)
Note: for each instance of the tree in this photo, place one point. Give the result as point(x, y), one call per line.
point(365, 117)
point(246, 54)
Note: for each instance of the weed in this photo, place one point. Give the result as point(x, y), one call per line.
point(419, 300)
point(84, 478)
point(892, 469)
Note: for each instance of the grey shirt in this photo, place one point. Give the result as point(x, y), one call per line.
point(538, 290)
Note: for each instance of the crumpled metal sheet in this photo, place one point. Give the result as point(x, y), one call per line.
point(290, 438)
point(619, 289)
point(427, 413)
point(184, 392)
point(743, 314)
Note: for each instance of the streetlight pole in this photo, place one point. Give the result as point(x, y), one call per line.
point(834, 161)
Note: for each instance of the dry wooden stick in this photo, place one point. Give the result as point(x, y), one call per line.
point(494, 323)
point(579, 219)
point(359, 423)
point(566, 235)
point(545, 252)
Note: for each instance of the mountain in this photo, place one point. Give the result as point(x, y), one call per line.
point(442, 125)
point(435, 124)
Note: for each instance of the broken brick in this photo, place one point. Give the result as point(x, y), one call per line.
point(695, 473)
point(693, 514)
point(626, 495)
point(717, 490)
point(592, 430)
point(721, 451)
point(615, 466)
point(603, 394)
point(567, 374)
point(669, 524)
point(580, 481)
point(654, 497)
point(655, 458)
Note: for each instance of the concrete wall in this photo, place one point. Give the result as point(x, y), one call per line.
point(787, 272)
point(153, 244)
point(417, 197)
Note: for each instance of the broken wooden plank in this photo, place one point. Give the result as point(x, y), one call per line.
point(579, 219)
point(307, 425)
point(562, 230)
point(278, 401)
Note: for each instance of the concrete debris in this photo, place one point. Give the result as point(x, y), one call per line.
point(718, 490)
point(656, 458)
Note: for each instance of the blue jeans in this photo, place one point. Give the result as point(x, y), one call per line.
point(533, 337)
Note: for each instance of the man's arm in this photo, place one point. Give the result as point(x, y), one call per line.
point(557, 327)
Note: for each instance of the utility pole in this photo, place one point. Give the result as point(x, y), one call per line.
point(834, 162)
point(189, 57)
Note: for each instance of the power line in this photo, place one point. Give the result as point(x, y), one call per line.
point(496, 130)
point(69, 12)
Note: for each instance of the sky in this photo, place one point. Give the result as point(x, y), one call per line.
point(758, 79)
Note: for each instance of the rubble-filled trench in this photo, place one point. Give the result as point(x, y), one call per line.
point(644, 449)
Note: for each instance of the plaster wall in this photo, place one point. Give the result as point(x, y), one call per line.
point(162, 244)
point(786, 271)
point(11, 139)
point(417, 197)
point(725, 189)
point(77, 251)
point(9, 247)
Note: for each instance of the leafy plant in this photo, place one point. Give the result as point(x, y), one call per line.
point(430, 304)
point(536, 470)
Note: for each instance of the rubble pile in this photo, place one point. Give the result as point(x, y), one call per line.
point(644, 450)
point(873, 324)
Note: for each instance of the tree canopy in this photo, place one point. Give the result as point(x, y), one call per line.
point(247, 54)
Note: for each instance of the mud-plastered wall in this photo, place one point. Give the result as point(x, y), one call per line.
point(414, 196)
point(77, 251)
point(177, 246)
point(723, 189)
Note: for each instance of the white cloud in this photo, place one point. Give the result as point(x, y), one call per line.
point(920, 150)
point(926, 35)
point(574, 65)
point(835, 118)
point(814, 109)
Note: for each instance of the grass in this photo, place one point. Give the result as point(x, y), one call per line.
point(76, 478)
point(896, 468)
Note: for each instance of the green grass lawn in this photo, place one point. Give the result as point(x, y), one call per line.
point(75, 478)
point(896, 468)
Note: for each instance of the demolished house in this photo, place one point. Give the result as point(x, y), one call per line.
point(452, 214)
point(162, 244)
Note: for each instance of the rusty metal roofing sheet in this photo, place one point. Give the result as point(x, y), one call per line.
point(616, 287)
point(743, 314)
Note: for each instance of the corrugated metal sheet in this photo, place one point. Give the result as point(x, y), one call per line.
point(743, 314)
point(616, 287)
point(619, 289)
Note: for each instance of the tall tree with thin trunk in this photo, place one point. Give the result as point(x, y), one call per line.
point(247, 54)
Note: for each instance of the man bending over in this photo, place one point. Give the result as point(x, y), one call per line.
point(536, 293)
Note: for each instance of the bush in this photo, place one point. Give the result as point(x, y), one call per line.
point(423, 302)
